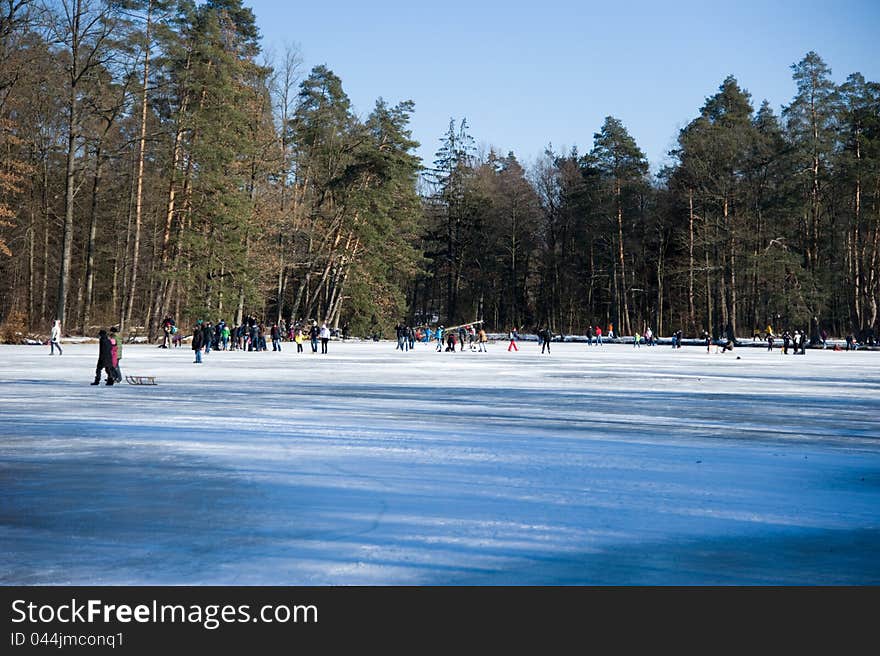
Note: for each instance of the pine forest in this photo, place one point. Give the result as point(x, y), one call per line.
point(155, 162)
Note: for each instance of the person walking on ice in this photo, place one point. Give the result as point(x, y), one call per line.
point(325, 337)
point(105, 359)
point(197, 342)
point(483, 339)
point(545, 335)
point(115, 354)
point(55, 339)
point(512, 336)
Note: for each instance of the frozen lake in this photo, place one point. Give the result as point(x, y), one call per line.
point(608, 465)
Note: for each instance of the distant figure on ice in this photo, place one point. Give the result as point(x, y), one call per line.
point(55, 338)
point(439, 335)
point(198, 342)
point(770, 341)
point(167, 331)
point(314, 332)
point(276, 337)
point(325, 337)
point(545, 335)
point(512, 336)
point(402, 342)
point(105, 359)
point(224, 336)
point(298, 338)
point(598, 335)
point(590, 335)
point(450, 341)
point(484, 339)
point(610, 331)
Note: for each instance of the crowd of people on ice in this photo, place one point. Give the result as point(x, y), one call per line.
point(252, 335)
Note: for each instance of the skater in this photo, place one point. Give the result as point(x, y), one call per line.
point(545, 335)
point(450, 341)
point(483, 339)
point(637, 338)
point(598, 336)
point(198, 341)
point(224, 337)
point(786, 341)
point(55, 339)
point(769, 341)
point(400, 331)
point(649, 337)
point(590, 335)
point(512, 336)
point(276, 337)
point(796, 341)
point(325, 337)
point(105, 359)
point(298, 338)
point(167, 331)
point(610, 331)
point(313, 335)
point(708, 339)
point(823, 336)
point(439, 335)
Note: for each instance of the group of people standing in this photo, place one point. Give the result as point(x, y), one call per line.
point(797, 341)
point(250, 336)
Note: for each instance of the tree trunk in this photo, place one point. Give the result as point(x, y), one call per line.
point(692, 312)
point(139, 201)
point(623, 289)
point(70, 191)
point(90, 249)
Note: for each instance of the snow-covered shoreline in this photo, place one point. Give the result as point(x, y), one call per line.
point(602, 465)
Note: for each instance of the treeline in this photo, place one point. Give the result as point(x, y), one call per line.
point(760, 219)
point(153, 162)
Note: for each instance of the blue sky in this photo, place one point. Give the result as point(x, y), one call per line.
point(529, 74)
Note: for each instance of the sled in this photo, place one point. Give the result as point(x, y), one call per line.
point(140, 380)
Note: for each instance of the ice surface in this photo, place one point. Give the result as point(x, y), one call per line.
point(608, 465)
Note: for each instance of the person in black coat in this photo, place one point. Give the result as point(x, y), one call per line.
point(545, 335)
point(198, 342)
point(105, 359)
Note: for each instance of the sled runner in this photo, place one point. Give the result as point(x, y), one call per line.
point(141, 380)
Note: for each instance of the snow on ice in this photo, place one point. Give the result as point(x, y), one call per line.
point(594, 465)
